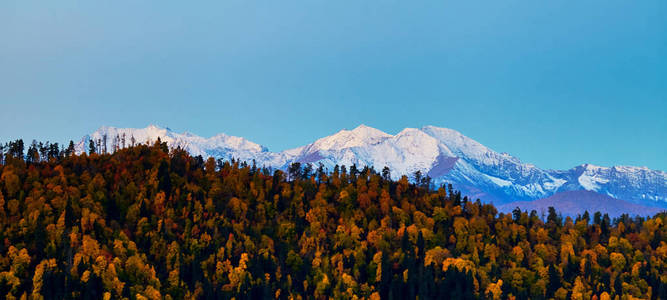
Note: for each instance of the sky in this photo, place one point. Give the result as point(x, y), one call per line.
point(555, 83)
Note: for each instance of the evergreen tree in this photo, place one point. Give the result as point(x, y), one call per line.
point(91, 147)
point(354, 171)
point(16, 149)
point(386, 173)
point(554, 281)
point(307, 170)
point(294, 171)
point(70, 149)
point(33, 153)
point(417, 176)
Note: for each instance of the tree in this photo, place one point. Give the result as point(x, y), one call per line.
point(586, 216)
point(44, 150)
point(70, 149)
point(353, 170)
point(294, 171)
point(164, 178)
point(385, 277)
point(91, 147)
point(307, 170)
point(553, 217)
point(417, 176)
point(516, 214)
point(54, 151)
point(426, 181)
point(321, 174)
point(33, 153)
point(386, 173)
point(554, 281)
point(617, 261)
point(16, 149)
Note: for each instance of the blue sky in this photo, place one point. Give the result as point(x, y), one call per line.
point(555, 83)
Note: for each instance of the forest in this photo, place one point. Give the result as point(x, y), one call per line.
point(150, 222)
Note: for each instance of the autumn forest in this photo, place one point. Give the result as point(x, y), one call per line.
point(150, 222)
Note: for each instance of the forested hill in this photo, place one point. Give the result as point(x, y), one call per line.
point(147, 222)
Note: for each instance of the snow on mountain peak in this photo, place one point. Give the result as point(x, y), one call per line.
point(416, 141)
point(153, 126)
point(363, 129)
point(360, 136)
point(458, 143)
point(410, 150)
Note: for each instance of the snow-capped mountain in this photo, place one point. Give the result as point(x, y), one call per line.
point(637, 184)
point(221, 145)
point(444, 154)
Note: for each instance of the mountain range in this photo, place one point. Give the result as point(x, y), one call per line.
point(445, 155)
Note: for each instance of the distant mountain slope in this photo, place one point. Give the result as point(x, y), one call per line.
point(636, 184)
point(218, 146)
point(572, 203)
point(446, 155)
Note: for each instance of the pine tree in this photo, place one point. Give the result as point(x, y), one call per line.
point(554, 281)
point(385, 276)
point(306, 171)
point(43, 150)
point(294, 171)
point(33, 153)
point(15, 149)
point(386, 173)
point(417, 175)
point(70, 149)
point(91, 147)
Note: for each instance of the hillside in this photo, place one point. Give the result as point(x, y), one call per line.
point(149, 223)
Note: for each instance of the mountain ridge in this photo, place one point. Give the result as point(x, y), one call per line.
point(573, 203)
point(444, 154)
